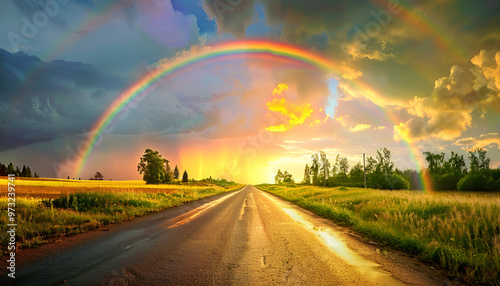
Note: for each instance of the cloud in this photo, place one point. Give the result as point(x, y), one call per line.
point(233, 16)
point(448, 111)
point(50, 99)
point(482, 141)
point(296, 114)
point(359, 127)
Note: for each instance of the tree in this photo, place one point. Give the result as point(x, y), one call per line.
point(23, 172)
point(478, 161)
point(151, 166)
point(370, 166)
point(335, 168)
point(28, 172)
point(185, 178)
point(287, 177)
point(384, 164)
point(97, 176)
point(343, 167)
point(278, 179)
point(176, 173)
point(169, 175)
point(307, 176)
point(10, 169)
point(356, 174)
point(315, 168)
point(3, 170)
point(435, 162)
point(36, 175)
point(325, 167)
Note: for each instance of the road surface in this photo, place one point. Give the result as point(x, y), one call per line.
point(246, 237)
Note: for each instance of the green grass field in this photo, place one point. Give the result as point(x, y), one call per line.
point(49, 208)
point(460, 231)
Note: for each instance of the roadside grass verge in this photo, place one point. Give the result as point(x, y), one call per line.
point(42, 220)
point(460, 231)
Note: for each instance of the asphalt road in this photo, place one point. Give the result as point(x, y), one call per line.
point(246, 237)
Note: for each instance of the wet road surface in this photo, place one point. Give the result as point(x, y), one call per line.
point(246, 237)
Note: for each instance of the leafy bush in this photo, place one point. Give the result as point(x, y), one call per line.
point(389, 182)
point(472, 182)
point(445, 182)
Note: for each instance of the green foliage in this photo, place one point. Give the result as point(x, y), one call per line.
point(390, 182)
point(185, 178)
point(307, 176)
point(446, 181)
point(9, 169)
point(176, 173)
point(472, 182)
point(356, 173)
point(154, 168)
point(453, 175)
point(284, 177)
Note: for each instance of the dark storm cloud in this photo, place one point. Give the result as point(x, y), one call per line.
point(40, 101)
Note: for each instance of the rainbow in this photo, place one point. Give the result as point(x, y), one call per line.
point(260, 49)
point(427, 25)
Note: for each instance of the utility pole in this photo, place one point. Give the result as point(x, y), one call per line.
point(364, 170)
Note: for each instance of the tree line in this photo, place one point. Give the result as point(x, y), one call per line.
point(451, 174)
point(9, 169)
point(156, 170)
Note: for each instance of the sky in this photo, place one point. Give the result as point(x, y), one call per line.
point(411, 76)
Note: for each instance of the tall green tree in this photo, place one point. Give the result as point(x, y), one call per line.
point(185, 178)
point(479, 163)
point(456, 164)
point(28, 172)
point(384, 164)
point(307, 176)
point(278, 179)
point(325, 167)
point(10, 169)
point(3, 170)
point(23, 172)
point(169, 174)
point(356, 173)
point(435, 162)
point(315, 168)
point(287, 177)
point(335, 168)
point(343, 168)
point(370, 165)
point(151, 166)
point(176, 173)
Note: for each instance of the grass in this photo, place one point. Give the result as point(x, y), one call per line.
point(460, 231)
point(53, 188)
point(47, 209)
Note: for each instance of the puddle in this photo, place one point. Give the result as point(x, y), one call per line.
point(330, 238)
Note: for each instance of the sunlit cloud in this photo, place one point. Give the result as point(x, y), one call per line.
point(448, 111)
point(359, 128)
point(296, 114)
point(482, 141)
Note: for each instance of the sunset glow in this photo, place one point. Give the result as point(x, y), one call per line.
point(241, 94)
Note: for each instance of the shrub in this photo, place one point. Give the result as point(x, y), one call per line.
point(445, 182)
point(472, 182)
point(389, 182)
